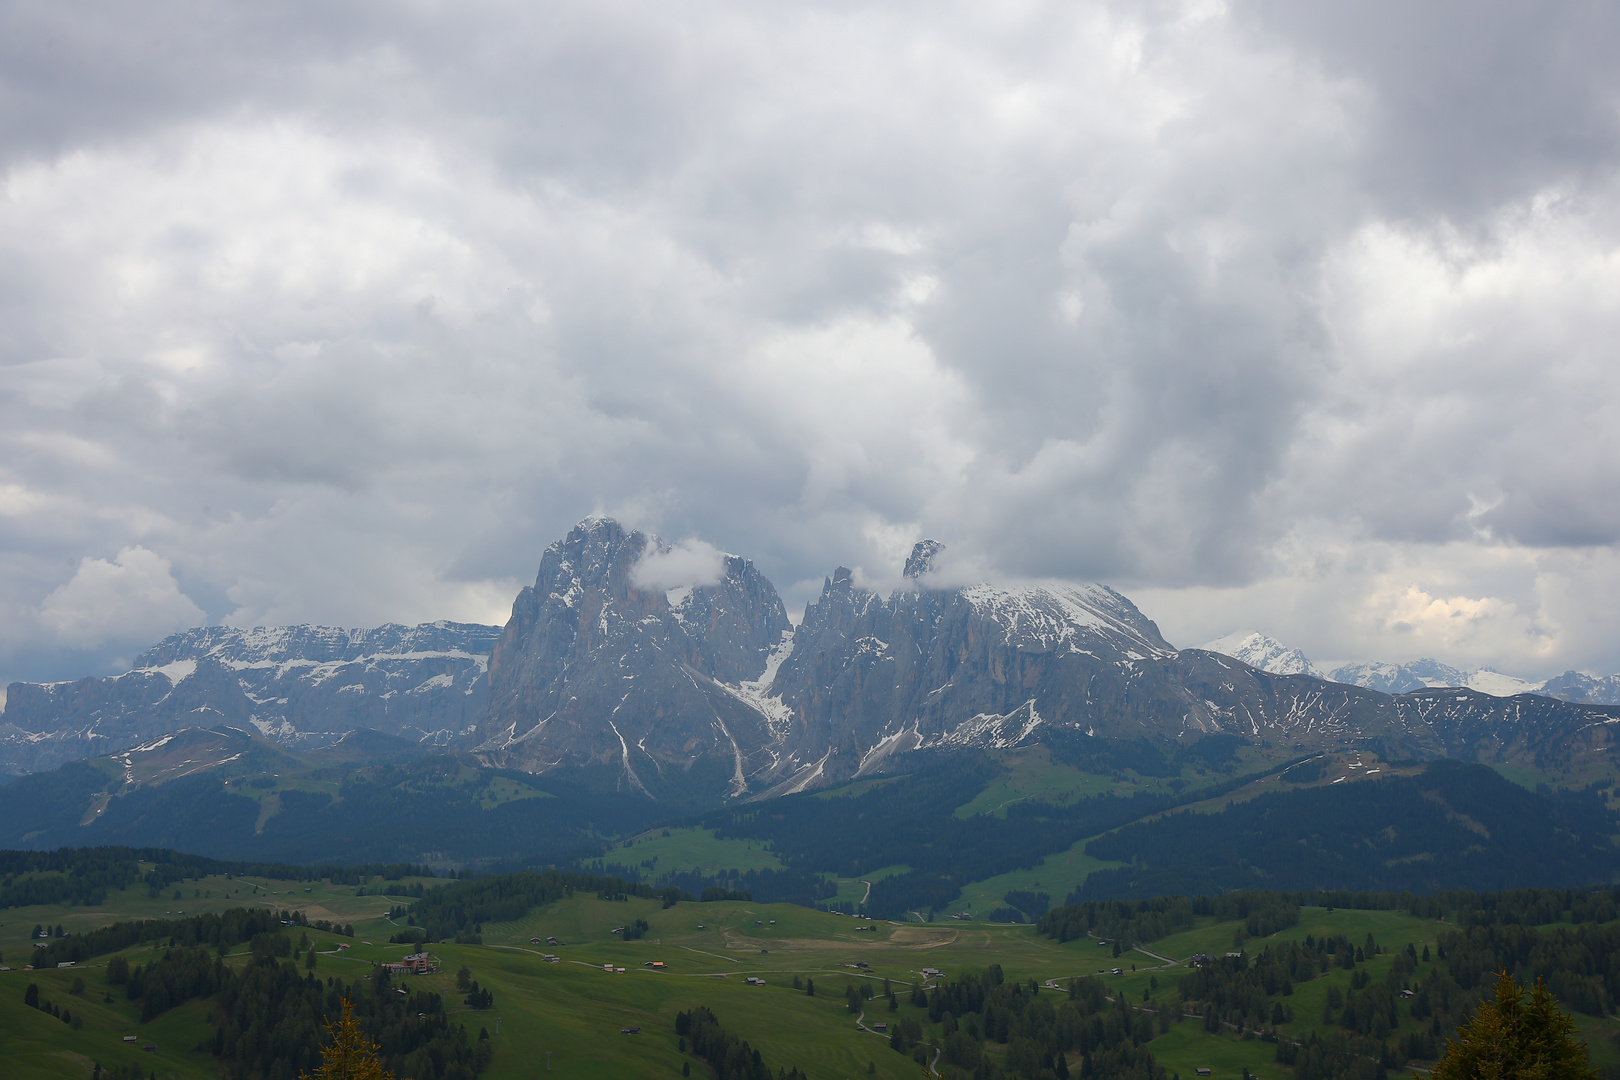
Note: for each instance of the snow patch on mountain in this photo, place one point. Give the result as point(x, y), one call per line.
point(1001, 731)
point(756, 693)
point(177, 671)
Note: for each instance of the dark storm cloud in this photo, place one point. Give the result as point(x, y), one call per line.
point(1468, 105)
point(341, 312)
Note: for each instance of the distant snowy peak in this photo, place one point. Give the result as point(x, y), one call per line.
point(1421, 674)
point(1497, 684)
point(1579, 687)
point(1263, 654)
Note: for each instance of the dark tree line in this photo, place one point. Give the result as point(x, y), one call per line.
point(1264, 912)
point(1111, 757)
point(464, 906)
point(788, 886)
point(87, 875)
point(1127, 922)
point(1038, 1031)
point(222, 930)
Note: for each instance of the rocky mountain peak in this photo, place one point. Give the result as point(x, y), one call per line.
point(620, 657)
point(921, 559)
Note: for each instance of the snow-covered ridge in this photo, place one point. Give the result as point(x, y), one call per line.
point(1425, 672)
point(270, 645)
point(1053, 615)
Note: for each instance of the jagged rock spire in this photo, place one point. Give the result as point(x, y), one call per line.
point(921, 560)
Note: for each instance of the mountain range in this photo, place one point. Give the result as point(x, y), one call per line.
point(1268, 654)
point(699, 691)
point(303, 686)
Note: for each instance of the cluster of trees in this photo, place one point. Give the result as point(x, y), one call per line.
point(1404, 833)
point(478, 997)
point(222, 930)
point(1580, 965)
point(271, 1019)
point(1241, 992)
point(1266, 911)
point(463, 907)
point(32, 999)
point(718, 892)
point(1127, 922)
point(268, 1017)
point(1516, 907)
point(64, 877)
point(731, 1058)
point(1038, 1031)
point(788, 886)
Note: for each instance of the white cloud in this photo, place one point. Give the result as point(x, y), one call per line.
point(689, 562)
point(132, 599)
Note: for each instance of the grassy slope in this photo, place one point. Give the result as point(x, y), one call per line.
point(1033, 774)
point(323, 900)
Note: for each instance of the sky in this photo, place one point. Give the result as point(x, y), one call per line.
point(1293, 317)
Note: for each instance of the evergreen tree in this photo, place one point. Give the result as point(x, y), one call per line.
point(1512, 1038)
point(351, 1055)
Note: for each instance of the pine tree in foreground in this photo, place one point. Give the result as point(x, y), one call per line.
point(1513, 1038)
point(351, 1055)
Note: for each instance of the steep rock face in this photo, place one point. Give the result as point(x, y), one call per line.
point(602, 668)
point(925, 668)
point(300, 685)
point(871, 675)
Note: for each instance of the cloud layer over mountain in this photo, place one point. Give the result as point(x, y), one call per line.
point(1289, 316)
